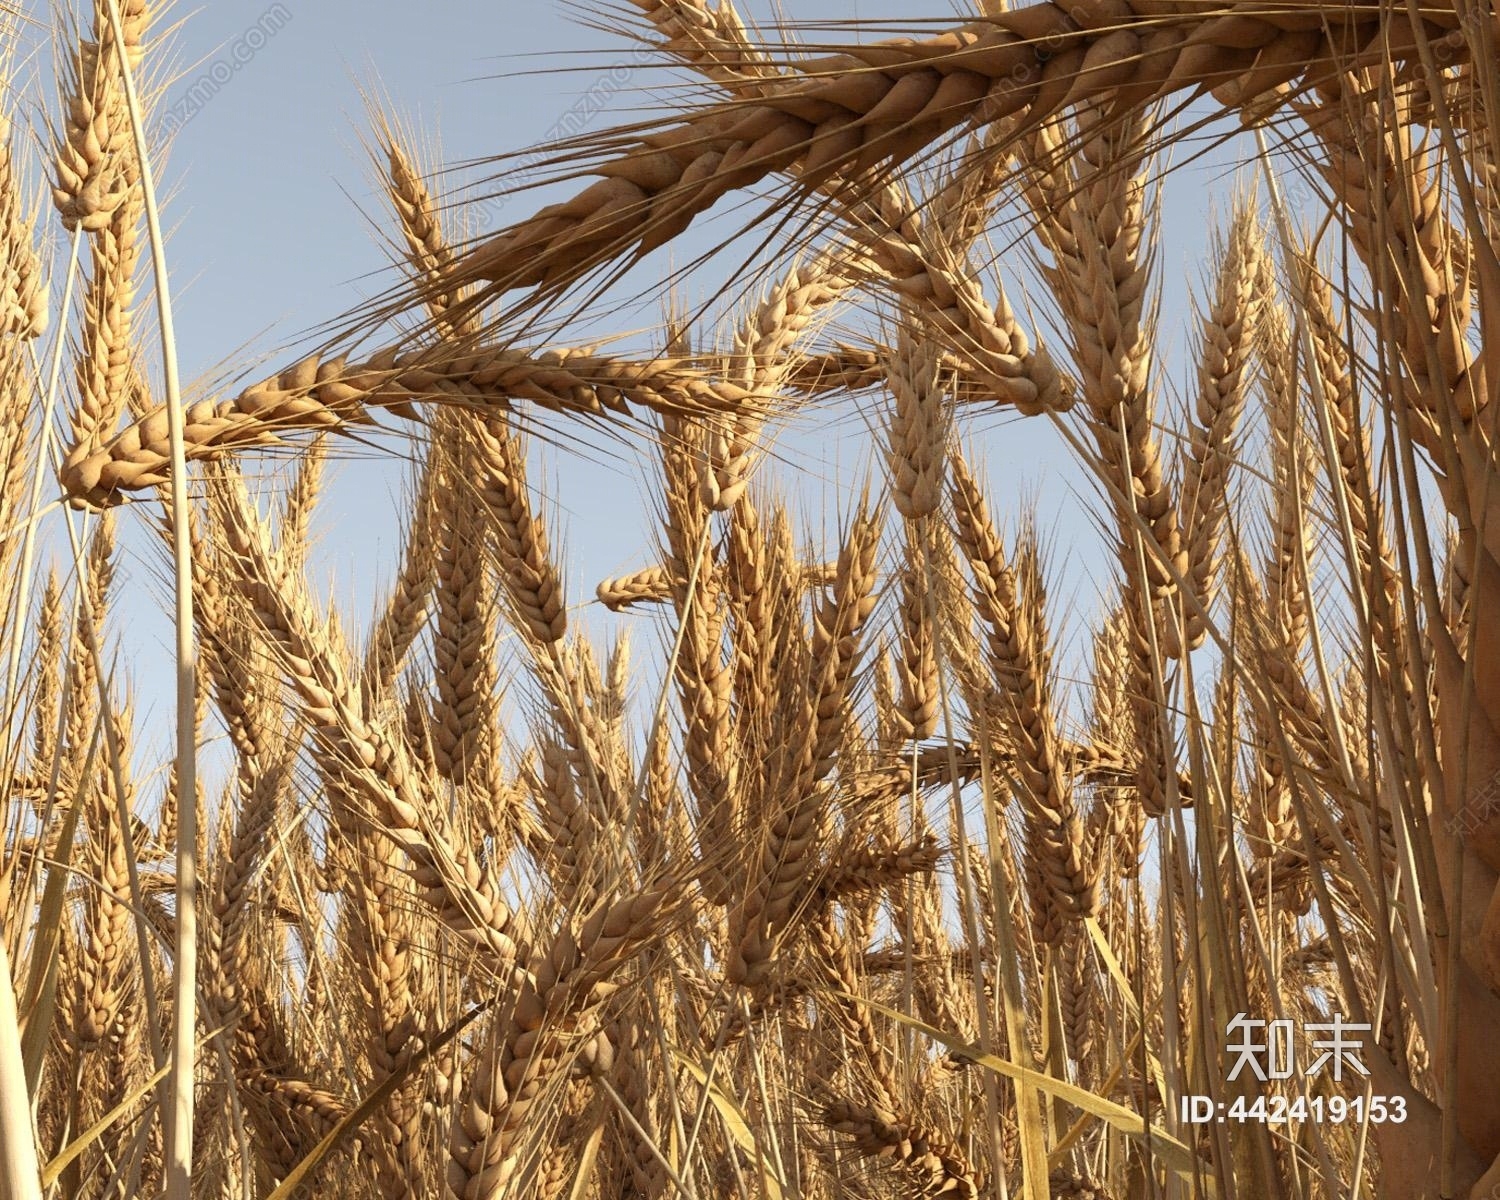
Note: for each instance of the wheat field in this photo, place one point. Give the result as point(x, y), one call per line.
point(817, 857)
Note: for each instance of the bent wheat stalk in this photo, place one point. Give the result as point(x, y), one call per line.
point(846, 114)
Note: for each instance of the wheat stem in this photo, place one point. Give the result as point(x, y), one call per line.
point(22, 1174)
point(179, 1150)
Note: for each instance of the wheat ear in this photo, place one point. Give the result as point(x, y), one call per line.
point(1229, 331)
point(1059, 878)
point(374, 768)
point(23, 289)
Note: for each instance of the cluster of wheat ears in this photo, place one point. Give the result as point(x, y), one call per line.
point(844, 891)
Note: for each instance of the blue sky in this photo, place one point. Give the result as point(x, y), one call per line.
point(270, 200)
